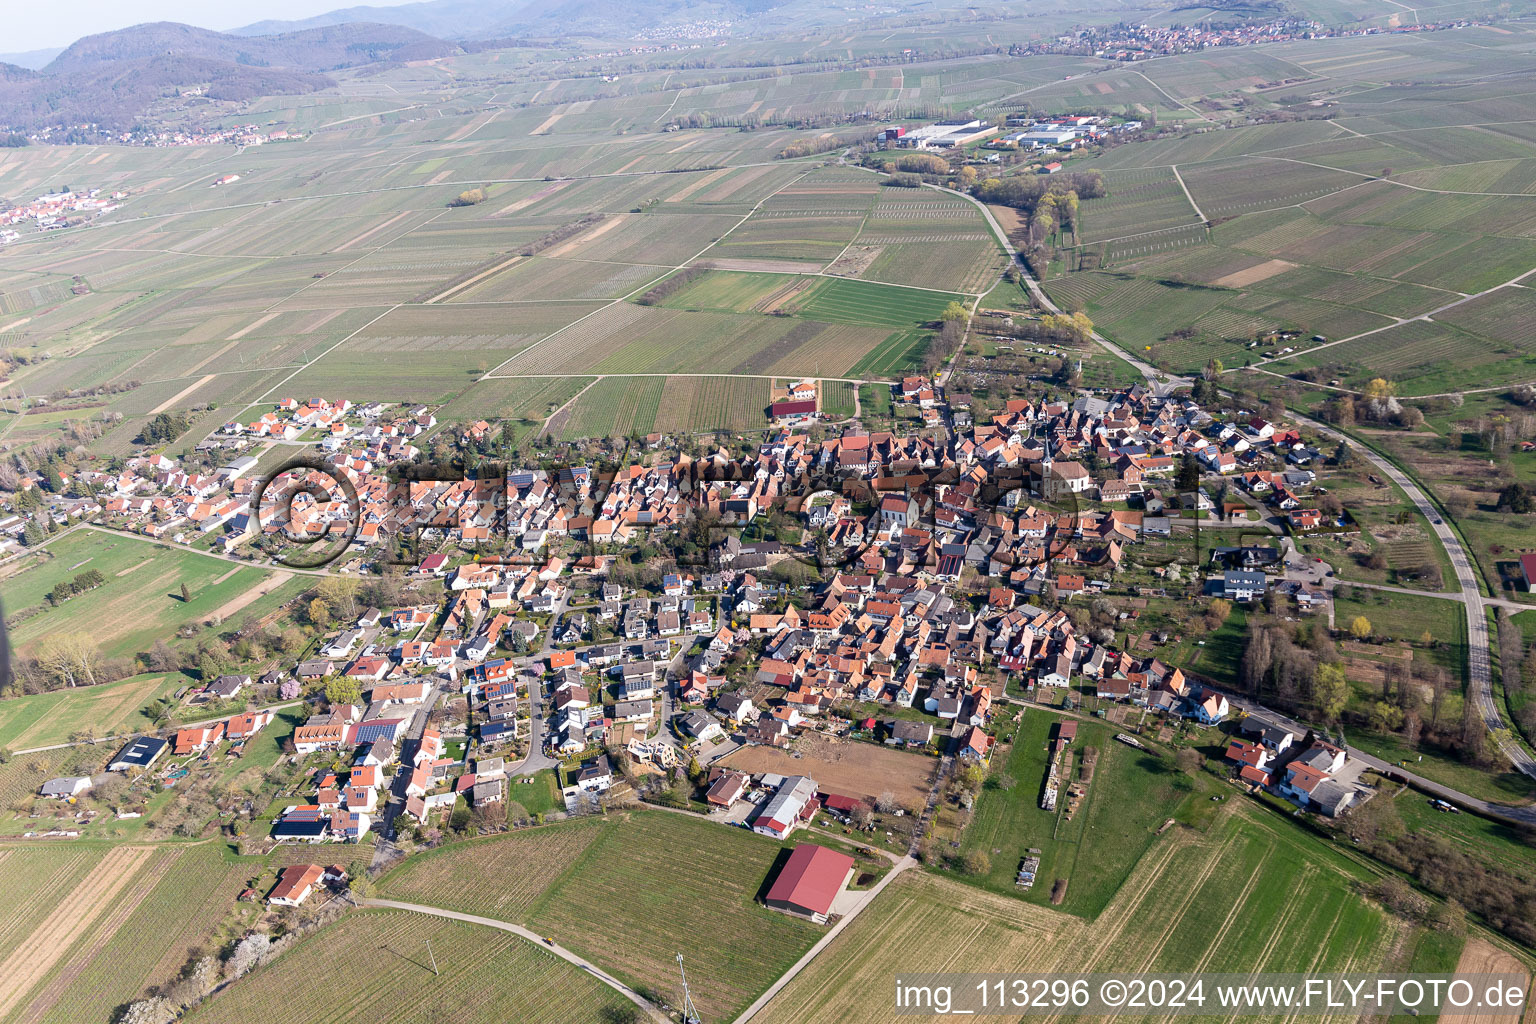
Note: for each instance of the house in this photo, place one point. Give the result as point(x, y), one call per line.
point(197, 739)
point(700, 727)
point(1212, 709)
point(810, 882)
point(1240, 585)
point(1269, 735)
point(903, 733)
point(294, 884)
point(726, 790)
point(633, 711)
point(594, 776)
point(1253, 761)
point(139, 752)
point(793, 412)
point(976, 745)
point(225, 687)
point(1528, 570)
point(66, 788)
point(247, 724)
point(736, 707)
point(782, 811)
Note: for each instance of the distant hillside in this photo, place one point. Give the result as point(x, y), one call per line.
point(483, 19)
point(31, 58)
point(317, 49)
point(445, 19)
point(116, 95)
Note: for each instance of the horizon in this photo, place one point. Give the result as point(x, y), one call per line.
point(37, 28)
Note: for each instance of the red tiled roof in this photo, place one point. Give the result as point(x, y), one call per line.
point(811, 878)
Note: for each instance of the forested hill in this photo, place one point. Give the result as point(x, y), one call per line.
point(316, 49)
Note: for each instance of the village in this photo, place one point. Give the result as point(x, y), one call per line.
point(57, 210)
point(909, 592)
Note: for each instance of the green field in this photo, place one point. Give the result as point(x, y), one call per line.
point(111, 919)
point(610, 890)
point(141, 599)
point(483, 975)
point(1250, 894)
point(109, 709)
point(1132, 793)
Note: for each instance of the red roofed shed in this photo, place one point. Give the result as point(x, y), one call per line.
point(810, 881)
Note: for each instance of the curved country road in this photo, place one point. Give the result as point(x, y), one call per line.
point(1479, 663)
point(618, 986)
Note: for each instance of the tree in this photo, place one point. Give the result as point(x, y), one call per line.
point(1386, 717)
point(1360, 627)
point(1331, 691)
point(886, 803)
point(186, 594)
point(248, 952)
point(361, 886)
point(319, 613)
point(695, 770)
point(343, 690)
point(71, 657)
point(976, 863)
point(1516, 498)
point(1379, 389)
point(1189, 474)
point(861, 816)
point(954, 312)
point(340, 595)
point(1188, 759)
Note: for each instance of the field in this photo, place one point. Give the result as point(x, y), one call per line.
point(483, 975)
point(858, 770)
point(92, 926)
point(1131, 794)
point(141, 599)
point(617, 893)
point(1227, 900)
point(110, 709)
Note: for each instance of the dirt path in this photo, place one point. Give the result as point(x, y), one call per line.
point(602, 976)
point(593, 233)
point(175, 399)
point(229, 608)
point(131, 568)
point(51, 939)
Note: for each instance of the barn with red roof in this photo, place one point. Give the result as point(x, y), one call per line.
point(810, 881)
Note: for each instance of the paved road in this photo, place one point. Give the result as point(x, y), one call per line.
point(651, 1009)
point(1160, 382)
point(832, 933)
point(395, 803)
point(1479, 663)
point(1526, 814)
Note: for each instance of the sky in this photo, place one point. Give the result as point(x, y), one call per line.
point(35, 26)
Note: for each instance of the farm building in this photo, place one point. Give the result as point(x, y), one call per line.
point(799, 411)
point(810, 882)
point(781, 813)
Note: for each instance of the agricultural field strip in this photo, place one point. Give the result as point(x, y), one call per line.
point(1399, 321)
point(642, 289)
point(270, 308)
point(17, 246)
